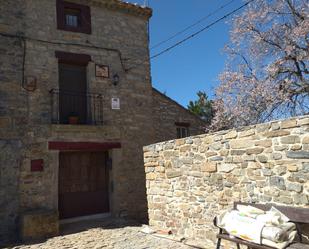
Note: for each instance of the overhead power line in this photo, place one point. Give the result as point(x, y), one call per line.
point(194, 34)
point(89, 45)
point(201, 30)
point(192, 25)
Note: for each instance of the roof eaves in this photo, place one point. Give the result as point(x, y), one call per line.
point(127, 7)
point(175, 102)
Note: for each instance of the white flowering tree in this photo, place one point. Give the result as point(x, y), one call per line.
point(267, 74)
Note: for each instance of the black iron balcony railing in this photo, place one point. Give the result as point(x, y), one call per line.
point(76, 108)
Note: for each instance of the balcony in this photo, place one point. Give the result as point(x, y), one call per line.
point(76, 108)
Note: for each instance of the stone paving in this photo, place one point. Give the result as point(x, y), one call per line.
point(107, 234)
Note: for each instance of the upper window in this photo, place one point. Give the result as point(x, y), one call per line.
point(182, 132)
point(182, 129)
point(73, 17)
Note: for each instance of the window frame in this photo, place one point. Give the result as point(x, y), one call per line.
point(77, 17)
point(182, 129)
point(85, 17)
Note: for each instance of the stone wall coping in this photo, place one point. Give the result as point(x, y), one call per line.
point(239, 129)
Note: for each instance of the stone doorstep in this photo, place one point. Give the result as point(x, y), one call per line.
point(93, 217)
point(40, 224)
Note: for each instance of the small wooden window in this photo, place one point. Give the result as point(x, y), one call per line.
point(182, 129)
point(182, 132)
point(73, 17)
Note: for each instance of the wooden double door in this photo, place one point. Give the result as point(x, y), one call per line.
point(83, 184)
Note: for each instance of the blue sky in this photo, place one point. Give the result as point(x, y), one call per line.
point(194, 65)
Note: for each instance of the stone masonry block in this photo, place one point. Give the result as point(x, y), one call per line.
point(209, 167)
point(277, 133)
point(305, 140)
point(231, 134)
point(278, 182)
point(173, 173)
point(298, 154)
point(292, 168)
point(294, 187)
point(39, 225)
point(247, 133)
point(303, 121)
point(262, 158)
point(264, 143)
point(275, 126)
point(296, 147)
point(226, 167)
point(241, 143)
point(290, 123)
point(255, 150)
point(290, 139)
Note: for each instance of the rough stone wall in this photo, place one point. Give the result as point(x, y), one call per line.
point(13, 104)
point(191, 180)
point(166, 112)
point(9, 202)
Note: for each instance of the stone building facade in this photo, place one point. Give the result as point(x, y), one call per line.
point(169, 114)
point(63, 145)
point(191, 180)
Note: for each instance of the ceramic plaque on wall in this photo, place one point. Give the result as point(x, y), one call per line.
point(101, 71)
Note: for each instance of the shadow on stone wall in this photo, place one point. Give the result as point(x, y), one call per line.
point(9, 203)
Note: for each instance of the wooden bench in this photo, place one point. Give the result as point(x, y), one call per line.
point(299, 216)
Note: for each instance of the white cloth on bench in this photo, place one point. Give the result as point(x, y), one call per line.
point(241, 226)
point(280, 245)
point(254, 225)
point(278, 233)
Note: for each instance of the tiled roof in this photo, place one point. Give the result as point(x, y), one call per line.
point(127, 7)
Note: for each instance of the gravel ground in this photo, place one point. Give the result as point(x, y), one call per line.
point(107, 234)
